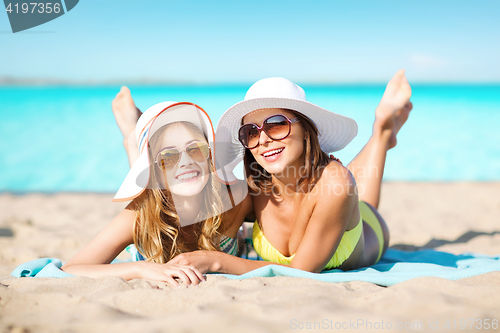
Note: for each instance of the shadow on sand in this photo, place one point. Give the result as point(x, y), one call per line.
point(433, 243)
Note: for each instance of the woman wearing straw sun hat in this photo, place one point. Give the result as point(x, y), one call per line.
point(311, 212)
point(179, 202)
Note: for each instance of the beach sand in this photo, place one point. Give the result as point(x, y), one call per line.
point(452, 217)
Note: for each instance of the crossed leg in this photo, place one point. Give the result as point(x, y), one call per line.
point(368, 166)
point(126, 116)
point(392, 112)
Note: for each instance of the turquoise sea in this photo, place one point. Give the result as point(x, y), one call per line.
point(65, 138)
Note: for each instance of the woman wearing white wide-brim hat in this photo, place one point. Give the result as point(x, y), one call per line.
point(311, 212)
point(179, 202)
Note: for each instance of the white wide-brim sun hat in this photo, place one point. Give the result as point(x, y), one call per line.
point(335, 130)
point(152, 120)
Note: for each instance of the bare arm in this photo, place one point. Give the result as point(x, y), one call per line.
point(95, 258)
point(219, 262)
point(214, 261)
point(330, 218)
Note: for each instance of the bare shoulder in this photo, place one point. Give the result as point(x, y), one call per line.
point(124, 221)
point(122, 225)
point(336, 183)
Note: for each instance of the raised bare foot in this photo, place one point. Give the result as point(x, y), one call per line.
point(125, 111)
point(394, 108)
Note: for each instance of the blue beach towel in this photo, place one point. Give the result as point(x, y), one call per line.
point(396, 266)
point(45, 267)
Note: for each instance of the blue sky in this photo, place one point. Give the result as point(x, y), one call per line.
point(243, 41)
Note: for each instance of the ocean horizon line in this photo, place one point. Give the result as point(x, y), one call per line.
point(76, 146)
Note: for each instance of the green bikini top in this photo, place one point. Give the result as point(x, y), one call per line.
point(347, 244)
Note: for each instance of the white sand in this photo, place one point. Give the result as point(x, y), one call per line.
point(462, 217)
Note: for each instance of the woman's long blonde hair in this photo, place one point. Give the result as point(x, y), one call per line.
point(157, 225)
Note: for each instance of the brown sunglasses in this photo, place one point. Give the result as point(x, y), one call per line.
point(276, 127)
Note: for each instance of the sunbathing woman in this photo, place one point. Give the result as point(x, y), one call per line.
point(178, 203)
point(311, 212)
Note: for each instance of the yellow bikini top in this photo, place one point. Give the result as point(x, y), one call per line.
point(269, 253)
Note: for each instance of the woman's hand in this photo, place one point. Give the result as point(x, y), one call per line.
point(203, 261)
point(169, 272)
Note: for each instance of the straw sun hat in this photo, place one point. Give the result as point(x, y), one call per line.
point(152, 120)
point(335, 130)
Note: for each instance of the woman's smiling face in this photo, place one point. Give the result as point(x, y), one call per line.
point(188, 177)
point(278, 156)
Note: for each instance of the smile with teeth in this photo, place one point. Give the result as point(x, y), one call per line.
point(273, 152)
point(188, 176)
